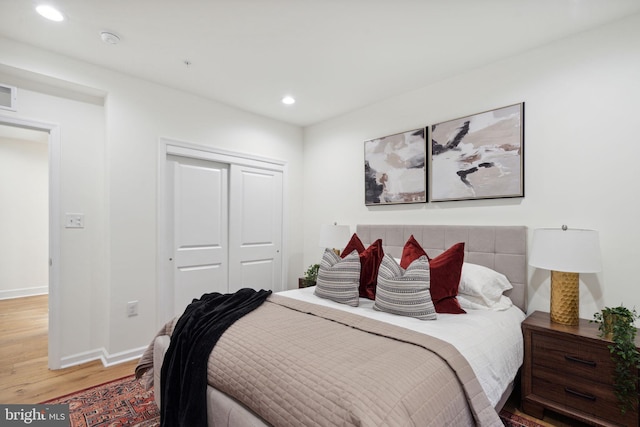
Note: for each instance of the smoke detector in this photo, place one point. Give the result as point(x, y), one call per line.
point(109, 38)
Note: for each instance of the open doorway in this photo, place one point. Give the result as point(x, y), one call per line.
point(24, 212)
point(29, 259)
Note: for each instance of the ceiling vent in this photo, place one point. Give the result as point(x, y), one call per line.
point(8, 97)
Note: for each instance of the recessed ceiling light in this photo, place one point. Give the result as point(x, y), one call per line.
point(50, 13)
point(288, 100)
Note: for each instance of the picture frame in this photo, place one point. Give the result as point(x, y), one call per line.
point(478, 157)
point(395, 168)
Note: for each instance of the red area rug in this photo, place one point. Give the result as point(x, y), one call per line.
point(125, 402)
point(122, 402)
point(513, 420)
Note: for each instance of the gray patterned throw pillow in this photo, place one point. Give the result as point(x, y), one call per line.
point(405, 292)
point(338, 278)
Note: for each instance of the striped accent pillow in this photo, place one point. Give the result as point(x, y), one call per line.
point(339, 278)
point(405, 292)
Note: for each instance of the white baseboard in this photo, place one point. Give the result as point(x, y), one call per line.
point(123, 356)
point(80, 358)
point(103, 355)
point(24, 292)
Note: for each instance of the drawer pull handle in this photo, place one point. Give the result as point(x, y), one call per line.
point(582, 395)
point(578, 360)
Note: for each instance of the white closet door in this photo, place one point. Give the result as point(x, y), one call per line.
point(255, 229)
point(199, 205)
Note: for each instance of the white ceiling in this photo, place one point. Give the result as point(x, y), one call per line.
point(333, 56)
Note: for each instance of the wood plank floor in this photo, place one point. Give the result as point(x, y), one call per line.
point(24, 374)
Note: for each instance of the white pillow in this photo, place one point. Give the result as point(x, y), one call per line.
point(484, 285)
point(469, 302)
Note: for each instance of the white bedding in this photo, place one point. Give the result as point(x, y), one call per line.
point(491, 341)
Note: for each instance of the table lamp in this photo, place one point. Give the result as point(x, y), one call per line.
point(334, 236)
point(566, 252)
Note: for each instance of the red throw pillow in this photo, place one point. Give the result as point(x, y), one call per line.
point(446, 269)
point(354, 244)
point(411, 252)
point(370, 259)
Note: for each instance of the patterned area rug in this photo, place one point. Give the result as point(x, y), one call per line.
point(514, 420)
point(122, 402)
point(125, 402)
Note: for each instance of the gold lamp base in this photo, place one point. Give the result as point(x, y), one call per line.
point(564, 297)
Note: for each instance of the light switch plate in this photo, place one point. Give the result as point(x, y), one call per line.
point(74, 220)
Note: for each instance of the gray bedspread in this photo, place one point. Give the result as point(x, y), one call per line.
point(298, 364)
point(295, 363)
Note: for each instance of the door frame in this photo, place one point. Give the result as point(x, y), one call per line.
point(170, 146)
point(54, 356)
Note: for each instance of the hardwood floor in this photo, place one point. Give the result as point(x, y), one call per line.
point(24, 374)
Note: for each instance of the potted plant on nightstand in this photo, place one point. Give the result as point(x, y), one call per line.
point(617, 324)
point(310, 276)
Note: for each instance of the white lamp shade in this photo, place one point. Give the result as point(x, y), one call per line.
point(333, 236)
point(570, 251)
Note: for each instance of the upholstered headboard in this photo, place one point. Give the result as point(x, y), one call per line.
point(501, 248)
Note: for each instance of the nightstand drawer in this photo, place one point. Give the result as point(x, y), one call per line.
point(581, 359)
point(574, 392)
point(597, 400)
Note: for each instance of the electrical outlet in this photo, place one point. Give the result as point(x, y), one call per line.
point(132, 308)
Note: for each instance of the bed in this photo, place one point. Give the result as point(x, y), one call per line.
point(276, 366)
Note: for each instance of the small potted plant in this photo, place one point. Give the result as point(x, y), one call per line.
point(617, 325)
point(310, 276)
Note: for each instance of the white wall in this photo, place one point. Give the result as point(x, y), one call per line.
point(24, 213)
point(116, 252)
point(582, 99)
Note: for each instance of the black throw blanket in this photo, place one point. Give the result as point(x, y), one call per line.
point(184, 370)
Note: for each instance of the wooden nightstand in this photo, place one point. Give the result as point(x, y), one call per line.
point(302, 283)
point(568, 369)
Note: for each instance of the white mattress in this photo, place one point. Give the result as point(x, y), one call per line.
point(491, 341)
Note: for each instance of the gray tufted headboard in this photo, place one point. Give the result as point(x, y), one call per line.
point(501, 248)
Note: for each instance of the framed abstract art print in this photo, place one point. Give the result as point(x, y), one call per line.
point(394, 169)
point(478, 157)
